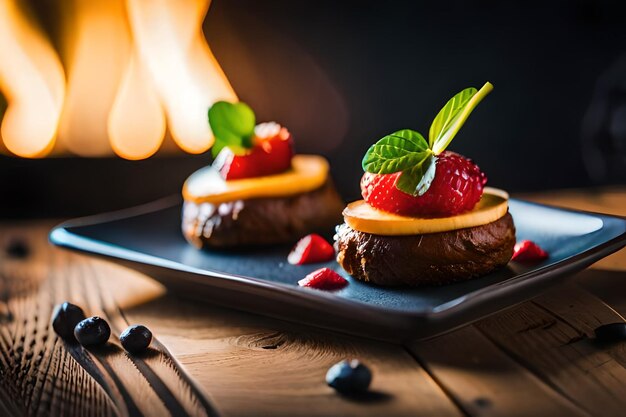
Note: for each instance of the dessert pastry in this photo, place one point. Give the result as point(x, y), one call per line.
point(256, 191)
point(426, 217)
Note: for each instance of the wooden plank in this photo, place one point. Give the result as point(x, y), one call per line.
point(484, 381)
point(259, 366)
point(244, 364)
point(39, 377)
point(561, 355)
point(45, 376)
point(578, 308)
point(608, 285)
point(585, 312)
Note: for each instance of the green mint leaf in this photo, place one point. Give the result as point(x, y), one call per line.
point(446, 115)
point(453, 115)
point(232, 125)
point(417, 180)
point(396, 152)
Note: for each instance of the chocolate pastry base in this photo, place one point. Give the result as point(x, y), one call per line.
point(428, 259)
point(261, 221)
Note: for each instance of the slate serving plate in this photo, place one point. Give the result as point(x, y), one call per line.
point(148, 239)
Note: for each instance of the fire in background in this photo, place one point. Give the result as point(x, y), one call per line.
point(122, 77)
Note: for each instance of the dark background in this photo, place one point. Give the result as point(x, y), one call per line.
point(342, 74)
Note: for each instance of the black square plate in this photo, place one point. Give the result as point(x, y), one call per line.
point(148, 239)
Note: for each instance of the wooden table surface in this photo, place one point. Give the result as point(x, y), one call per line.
point(537, 358)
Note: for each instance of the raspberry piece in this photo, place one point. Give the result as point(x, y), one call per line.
point(271, 154)
point(456, 188)
point(323, 279)
point(528, 251)
point(311, 249)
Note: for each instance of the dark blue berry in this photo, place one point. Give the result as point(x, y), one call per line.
point(17, 249)
point(349, 377)
point(136, 339)
point(65, 318)
point(613, 332)
point(92, 331)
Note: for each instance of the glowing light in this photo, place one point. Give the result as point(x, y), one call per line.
point(134, 68)
point(137, 122)
point(100, 46)
point(33, 82)
point(168, 35)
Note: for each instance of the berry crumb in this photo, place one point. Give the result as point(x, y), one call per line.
point(528, 251)
point(323, 279)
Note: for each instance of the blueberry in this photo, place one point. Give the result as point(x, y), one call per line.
point(65, 318)
point(136, 338)
point(349, 377)
point(613, 332)
point(17, 249)
point(92, 331)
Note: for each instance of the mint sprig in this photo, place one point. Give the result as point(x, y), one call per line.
point(398, 151)
point(232, 125)
point(408, 152)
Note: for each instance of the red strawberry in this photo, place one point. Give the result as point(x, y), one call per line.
point(311, 249)
point(323, 279)
point(528, 251)
point(271, 154)
point(457, 187)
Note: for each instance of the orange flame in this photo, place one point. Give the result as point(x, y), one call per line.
point(137, 122)
point(99, 41)
point(134, 67)
point(168, 35)
point(33, 82)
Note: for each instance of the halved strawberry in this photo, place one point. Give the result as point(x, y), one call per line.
point(528, 251)
point(323, 279)
point(271, 154)
point(456, 188)
point(311, 249)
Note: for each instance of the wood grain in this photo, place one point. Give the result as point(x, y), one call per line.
point(258, 366)
point(485, 381)
point(585, 312)
point(608, 285)
point(39, 376)
point(47, 376)
point(560, 352)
